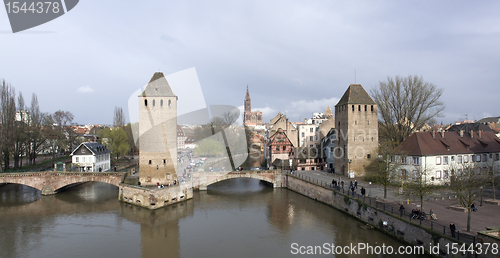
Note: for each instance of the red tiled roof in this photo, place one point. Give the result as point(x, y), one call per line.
point(424, 144)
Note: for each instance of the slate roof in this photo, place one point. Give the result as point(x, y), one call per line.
point(424, 144)
point(495, 119)
point(355, 94)
point(158, 87)
point(470, 127)
point(94, 147)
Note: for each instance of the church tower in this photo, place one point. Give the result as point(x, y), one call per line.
point(157, 133)
point(356, 122)
point(248, 103)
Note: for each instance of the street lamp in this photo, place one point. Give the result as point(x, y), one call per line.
point(481, 196)
point(370, 183)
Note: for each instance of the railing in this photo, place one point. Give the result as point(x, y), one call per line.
point(390, 208)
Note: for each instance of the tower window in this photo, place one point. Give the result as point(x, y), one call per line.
point(372, 108)
point(365, 107)
point(352, 108)
point(149, 162)
point(153, 102)
point(359, 107)
point(169, 103)
point(164, 161)
point(161, 102)
point(146, 102)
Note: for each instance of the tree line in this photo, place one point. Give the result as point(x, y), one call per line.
point(26, 131)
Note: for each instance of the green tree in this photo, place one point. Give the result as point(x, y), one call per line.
point(405, 105)
point(209, 147)
point(117, 142)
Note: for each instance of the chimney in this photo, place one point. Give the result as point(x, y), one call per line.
point(442, 134)
point(433, 134)
point(471, 134)
point(479, 133)
point(461, 133)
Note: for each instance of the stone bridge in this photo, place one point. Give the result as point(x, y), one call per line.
point(50, 182)
point(202, 179)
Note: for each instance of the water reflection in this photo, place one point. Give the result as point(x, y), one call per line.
point(234, 218)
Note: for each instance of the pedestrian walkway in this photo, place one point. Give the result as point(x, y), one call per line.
point(439, 202)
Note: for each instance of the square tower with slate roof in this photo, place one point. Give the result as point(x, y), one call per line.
point(356, 122)
point(157, 133)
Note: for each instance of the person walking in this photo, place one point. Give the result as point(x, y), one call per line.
point(401, 210)
point(355, 184)
point(342, 184)
point(453, 228)
point(363, 191)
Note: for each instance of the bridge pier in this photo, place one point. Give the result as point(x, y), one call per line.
point(48, 190)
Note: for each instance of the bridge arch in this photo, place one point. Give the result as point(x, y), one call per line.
point(50, 182)
point(231, 176)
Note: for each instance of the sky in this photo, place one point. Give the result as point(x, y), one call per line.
point(296, 57)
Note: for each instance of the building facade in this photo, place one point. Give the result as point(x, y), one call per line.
point(91, 157)
point(356, 122)
point(157, 133)
point(251, 118)
point(434, 154)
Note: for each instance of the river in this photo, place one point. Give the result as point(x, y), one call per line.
point(234, 218)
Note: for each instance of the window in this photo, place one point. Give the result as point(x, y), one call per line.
point(164, 162)
point(438, 160)
point(498, 156)
point(445, 160)
point(459, 159)
point(317, 128)
point(153, 102)
point(169, 103)
point(372, 108)
point(359, 107)
point(146, 102)
point(284, 148)
point(466, 158)
point(277, 148)
point(149, 162)
point(303, 134)
point(445, 174)
point(331, 149)
point(484, 158)
point(311, 130)
point(416, 161)
point(76, 159)
point(310, 146)
point(161, 102)
point(368, 156)
point(311, 138)
point(438, 174)
point(316, 137)
point(352, 108)
point(477, 158)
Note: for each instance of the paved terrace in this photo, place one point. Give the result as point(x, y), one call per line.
point(439, 202)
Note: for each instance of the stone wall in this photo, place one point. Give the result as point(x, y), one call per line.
point(398, 228)
point(154, 198)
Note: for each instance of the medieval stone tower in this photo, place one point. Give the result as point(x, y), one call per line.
point(157, 132)
point(251, 118)
point(357, 131)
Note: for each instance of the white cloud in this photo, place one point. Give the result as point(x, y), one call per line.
point(85, 89)
point(304, 108)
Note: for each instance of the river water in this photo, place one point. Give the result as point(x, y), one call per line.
point(234, 218)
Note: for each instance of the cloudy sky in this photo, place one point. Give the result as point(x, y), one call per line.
point(297, 57)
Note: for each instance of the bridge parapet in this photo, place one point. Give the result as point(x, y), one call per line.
point(50, 182)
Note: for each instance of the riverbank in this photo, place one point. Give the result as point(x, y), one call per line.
point(385, 221)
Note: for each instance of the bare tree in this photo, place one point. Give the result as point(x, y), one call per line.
point(492, 170)
point(385, 169)
point(20, 136)
point(468, 182)
point(119, 118)
point(36, 136)
point(418, 185)
point(405, 105)
point(7, 121)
